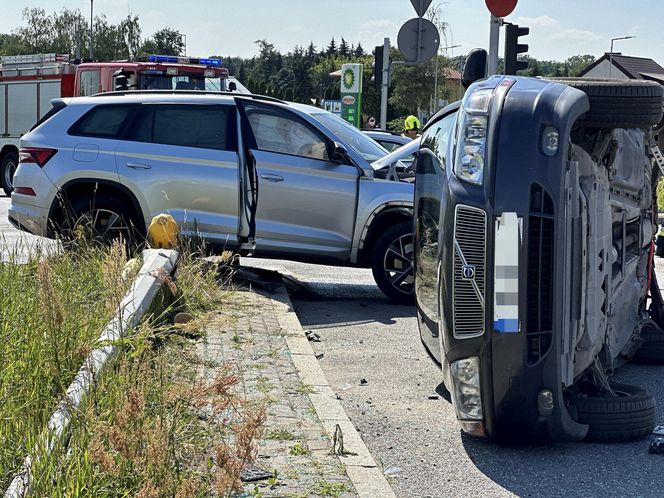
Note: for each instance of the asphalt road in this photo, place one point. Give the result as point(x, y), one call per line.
point(14, 244)
point(411, 428)
point(401, 413)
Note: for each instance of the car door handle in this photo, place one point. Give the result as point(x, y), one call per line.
point(272, 178)
point(138, 166)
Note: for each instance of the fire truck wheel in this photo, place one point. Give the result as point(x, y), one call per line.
point(7, 169)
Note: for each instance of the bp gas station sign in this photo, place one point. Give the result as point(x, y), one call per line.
point(351, 93)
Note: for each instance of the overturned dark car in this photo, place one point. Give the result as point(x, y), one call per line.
point(535, 212)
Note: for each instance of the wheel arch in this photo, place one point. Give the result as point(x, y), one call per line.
point(381, 219)
point(73, 190)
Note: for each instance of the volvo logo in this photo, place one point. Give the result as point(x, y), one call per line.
point(468, 272)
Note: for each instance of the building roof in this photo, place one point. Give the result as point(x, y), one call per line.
point(634, 67)
point(451, 74)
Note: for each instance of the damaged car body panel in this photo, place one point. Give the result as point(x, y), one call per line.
point(534, 287)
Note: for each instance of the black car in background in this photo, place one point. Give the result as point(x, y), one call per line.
point(534, 219)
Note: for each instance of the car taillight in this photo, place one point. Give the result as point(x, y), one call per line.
point(37, 155)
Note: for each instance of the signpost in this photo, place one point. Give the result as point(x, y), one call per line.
point(351, 93)
point(498, 9)
point(418, 38)
point(421, 6)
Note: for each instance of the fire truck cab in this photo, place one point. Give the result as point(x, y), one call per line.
point(29, 82)
point(156, 72)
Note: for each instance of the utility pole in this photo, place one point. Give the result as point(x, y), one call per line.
point(91, 27)
point(385, 84)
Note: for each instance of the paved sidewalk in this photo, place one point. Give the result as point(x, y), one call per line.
point(253, 335)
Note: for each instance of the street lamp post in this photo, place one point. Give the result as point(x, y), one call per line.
point(611, 51)
point(435, 80)
point(91, 20)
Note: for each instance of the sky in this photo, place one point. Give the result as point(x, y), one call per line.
point(558, 28)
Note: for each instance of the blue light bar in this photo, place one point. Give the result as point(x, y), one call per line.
point(162, 58)
point(210, 62)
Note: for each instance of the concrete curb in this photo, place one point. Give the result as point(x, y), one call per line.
point(157, 264)
point(367, 477)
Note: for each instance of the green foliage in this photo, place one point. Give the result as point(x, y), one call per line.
point(166, 41)
point(660, 195)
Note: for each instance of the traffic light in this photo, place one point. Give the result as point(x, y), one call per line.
point(378, 68)
point(513, 48)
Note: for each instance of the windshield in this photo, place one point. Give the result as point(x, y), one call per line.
point(150, 81)
point(362, 144)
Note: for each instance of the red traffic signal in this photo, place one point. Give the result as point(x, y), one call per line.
point(500, 8)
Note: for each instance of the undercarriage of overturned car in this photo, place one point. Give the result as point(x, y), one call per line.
point(535, 211)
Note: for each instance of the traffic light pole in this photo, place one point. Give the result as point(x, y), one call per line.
point(494, 39)
point(385, 84)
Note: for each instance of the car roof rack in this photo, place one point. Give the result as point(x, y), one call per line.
point(187, 92)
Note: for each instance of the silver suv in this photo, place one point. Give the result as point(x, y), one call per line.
point(243, 172)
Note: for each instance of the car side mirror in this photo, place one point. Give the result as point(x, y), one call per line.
point(339, 153)
point(474, 68)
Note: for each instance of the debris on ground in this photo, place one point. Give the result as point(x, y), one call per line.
point(251, 473)
point(312, 336)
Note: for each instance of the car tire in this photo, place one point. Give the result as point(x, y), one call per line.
point(392, 263)
point(651, 351)
point(103, 220)
point(629, 416)
point(7, 170)
point(613, 104)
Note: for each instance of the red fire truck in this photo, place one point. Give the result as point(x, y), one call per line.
point(29, 82)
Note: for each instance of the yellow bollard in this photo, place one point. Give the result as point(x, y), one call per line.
point(163, 232)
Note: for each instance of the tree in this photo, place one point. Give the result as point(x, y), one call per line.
point(12, 44)
point(359, 51)
point(332, 48)
point(578, 63)
point(129, 34)
point(344, 49)
point(39, 32)
point(166, 41)
point(312, 55)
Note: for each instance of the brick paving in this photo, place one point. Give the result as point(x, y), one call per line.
point(248, 336)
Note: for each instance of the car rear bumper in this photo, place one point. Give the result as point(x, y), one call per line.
point(28, 218)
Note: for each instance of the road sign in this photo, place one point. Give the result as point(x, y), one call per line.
point(500, 8)
point(421, 6)
point(418, 40)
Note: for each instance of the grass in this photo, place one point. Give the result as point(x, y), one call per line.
point(298, 449)
point(140, 432)
point(263, 384)
point(303, 388)
point(327, 488)
point(280, 435)
point(51, 311)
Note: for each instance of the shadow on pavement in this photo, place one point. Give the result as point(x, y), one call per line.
point(577, 469)
point(362, 304)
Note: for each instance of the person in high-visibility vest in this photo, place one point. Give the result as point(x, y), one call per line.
point(411, 127)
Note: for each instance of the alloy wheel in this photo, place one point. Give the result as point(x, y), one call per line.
point(398, 264)
point(102, 226)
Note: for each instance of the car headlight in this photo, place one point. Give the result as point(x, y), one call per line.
point(466, 392)
point(471, 147)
